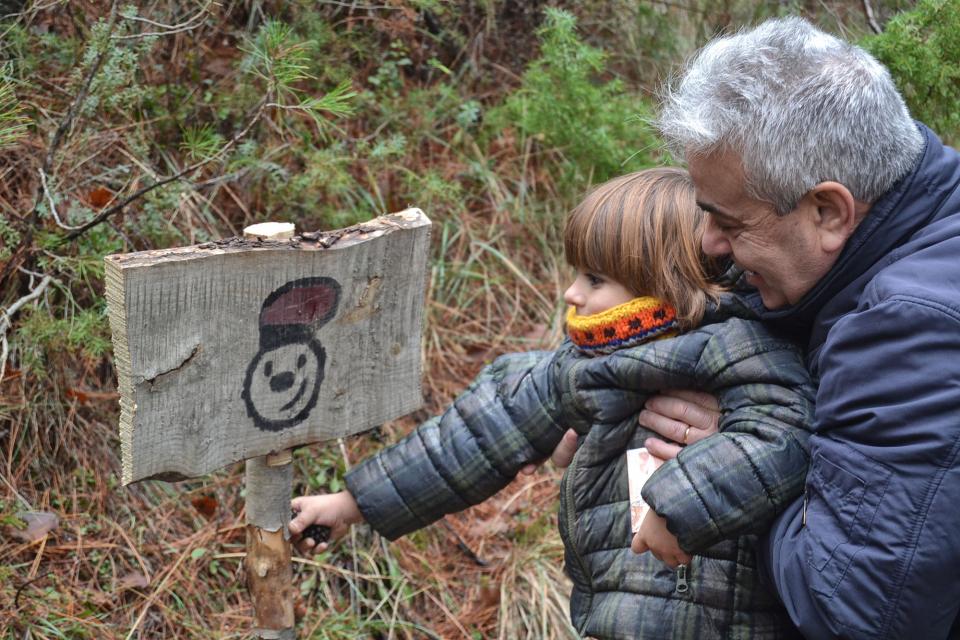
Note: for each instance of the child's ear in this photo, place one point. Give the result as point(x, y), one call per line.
point(837, 214)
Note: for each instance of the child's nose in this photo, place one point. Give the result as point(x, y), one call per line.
point(572, 296)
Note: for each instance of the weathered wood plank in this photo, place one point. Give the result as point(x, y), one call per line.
point(230, 350)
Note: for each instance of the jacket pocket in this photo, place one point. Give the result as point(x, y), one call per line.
point(841, 503)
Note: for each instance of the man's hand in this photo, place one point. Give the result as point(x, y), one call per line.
point(562, 455)
point(654, 537)
point(681, 416)
point(337, 511)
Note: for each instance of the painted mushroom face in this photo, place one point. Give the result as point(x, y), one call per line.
point(282, 382)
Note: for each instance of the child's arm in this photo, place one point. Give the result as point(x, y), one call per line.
point(335, 510)
point(503, 421)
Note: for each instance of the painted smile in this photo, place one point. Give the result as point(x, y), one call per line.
point(296, 398)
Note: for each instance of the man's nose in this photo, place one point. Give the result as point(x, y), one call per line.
point(714, 241)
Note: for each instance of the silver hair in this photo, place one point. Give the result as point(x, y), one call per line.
point(799, 107)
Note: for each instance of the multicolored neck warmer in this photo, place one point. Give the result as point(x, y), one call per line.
point(625, 325)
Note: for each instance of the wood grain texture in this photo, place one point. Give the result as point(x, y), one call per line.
point(219, 347)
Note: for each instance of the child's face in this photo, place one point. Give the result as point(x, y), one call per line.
point(592, 294)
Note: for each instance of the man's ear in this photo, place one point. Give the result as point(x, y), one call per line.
point(837, 214)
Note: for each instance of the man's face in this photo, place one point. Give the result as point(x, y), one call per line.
point(783, 256)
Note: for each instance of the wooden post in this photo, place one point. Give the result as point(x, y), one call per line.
point(269, 483)
point(244, 348)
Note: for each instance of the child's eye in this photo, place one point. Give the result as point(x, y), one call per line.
point(595, 281)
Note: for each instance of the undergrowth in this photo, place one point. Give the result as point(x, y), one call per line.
point(493, 117)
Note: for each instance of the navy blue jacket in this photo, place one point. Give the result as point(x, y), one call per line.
point(879, 553)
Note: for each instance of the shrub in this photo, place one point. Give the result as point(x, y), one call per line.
point(597, 125)
point(921, 47)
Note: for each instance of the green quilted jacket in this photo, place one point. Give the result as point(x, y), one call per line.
point(715, 495)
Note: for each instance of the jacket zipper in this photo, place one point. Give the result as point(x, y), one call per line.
point(682, 586)
point(571, 514)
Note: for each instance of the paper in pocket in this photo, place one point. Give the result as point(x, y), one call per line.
point(640, 466)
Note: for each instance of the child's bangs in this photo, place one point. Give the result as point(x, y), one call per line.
point(593, 237)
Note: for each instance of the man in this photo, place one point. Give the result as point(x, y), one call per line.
point(844, 215)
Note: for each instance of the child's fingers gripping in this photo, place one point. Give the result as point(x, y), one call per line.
point(304, 517)
point(305, 546)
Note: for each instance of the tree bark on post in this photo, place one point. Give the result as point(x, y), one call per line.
point(268, 563)
point(269, 483)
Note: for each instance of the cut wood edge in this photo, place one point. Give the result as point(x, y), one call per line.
point(113, 277)
point(270, 230)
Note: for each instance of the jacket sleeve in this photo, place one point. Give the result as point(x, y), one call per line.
point(878, 554)
point(504, 420)
point(737, 481)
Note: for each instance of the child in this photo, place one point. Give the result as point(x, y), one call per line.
point(644, 316)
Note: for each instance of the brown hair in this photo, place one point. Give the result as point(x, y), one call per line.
point(643, 230)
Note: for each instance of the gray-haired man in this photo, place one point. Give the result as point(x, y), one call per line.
point(845, 216)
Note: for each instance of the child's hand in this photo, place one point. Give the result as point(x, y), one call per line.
point(337, 511)
point(654, 537)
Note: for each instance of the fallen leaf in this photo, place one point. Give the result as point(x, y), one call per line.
point(38, 524)
point(99, 198)
point(206, 505)
point(132, 580)
point(489, 595)
point(78, 395)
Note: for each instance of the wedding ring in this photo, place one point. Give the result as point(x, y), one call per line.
point(685, 434)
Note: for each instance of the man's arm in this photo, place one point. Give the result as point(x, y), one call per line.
point(873, 550)
point(737, 481)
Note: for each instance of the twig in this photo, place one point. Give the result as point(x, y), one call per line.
point(7, 314)
point(79, 99)
point(26, 239)
point(16, 598)
point(463, 546)
point(50, 203)
point(167, 29)
point(872, 21)
point(170, 27)
point(106, 213)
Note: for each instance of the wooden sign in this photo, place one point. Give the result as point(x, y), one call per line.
point(235, 349)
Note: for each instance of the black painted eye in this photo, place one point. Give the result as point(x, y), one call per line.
point(268, 368)
point(301, 360)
